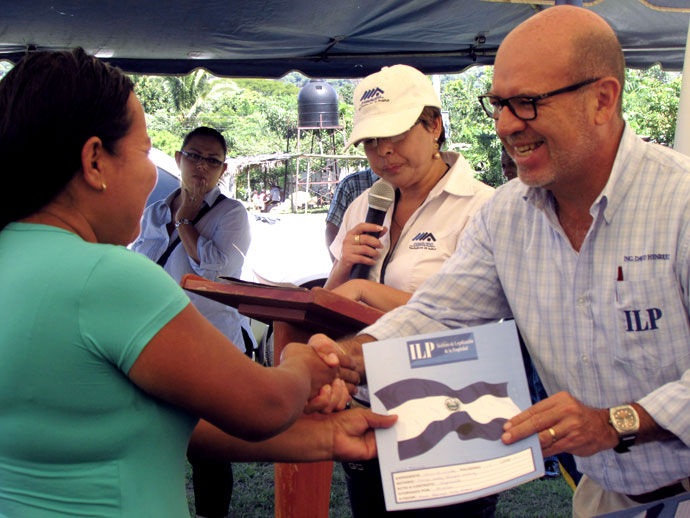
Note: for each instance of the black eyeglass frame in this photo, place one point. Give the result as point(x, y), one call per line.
point(495, 112)
point(197, 158)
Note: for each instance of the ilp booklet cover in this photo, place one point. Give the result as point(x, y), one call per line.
point(452, 391)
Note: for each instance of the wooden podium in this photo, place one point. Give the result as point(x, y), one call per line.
point(301, 490)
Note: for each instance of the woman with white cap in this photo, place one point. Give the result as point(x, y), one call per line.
point(398, 120)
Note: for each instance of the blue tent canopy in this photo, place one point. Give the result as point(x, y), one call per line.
point(326, 39)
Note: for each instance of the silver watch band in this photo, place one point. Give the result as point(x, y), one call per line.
point(183, 221)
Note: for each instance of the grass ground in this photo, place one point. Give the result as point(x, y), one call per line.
point(252, 496)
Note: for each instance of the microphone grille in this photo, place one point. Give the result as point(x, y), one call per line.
point(381, 195)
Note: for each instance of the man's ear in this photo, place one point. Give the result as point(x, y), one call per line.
point(608, 93)
point(92, 155)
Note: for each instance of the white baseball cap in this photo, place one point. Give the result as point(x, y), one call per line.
point(389, 102)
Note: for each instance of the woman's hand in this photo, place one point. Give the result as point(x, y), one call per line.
point(379, 296)
point(345, 436)
point(352, 289)
point(357, 248)
point(305, 357)
point(332, 397)
point(192, 197)
point(353, 433)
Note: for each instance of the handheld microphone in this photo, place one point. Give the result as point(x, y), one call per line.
point(381, 196)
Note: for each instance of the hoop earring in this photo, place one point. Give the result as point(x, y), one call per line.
point(437, 154)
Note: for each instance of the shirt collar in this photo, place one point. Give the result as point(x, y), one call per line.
point(622, 175)
point(459, 180)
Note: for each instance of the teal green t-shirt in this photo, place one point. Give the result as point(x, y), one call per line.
point(77, 437)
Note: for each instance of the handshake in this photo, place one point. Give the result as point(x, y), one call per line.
point(334, 378)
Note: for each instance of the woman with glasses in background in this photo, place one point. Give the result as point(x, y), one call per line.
point(196, 229)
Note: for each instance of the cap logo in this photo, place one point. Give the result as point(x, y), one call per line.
point(370, 94)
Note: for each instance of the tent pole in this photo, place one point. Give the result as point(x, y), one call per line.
point(681, 142)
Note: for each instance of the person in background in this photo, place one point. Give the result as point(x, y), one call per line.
point(256, 204)
point(197, 230)
point(108, 374)
point(508, 165)
point(590, 253)
point(436, 195)
point(348, 189)
point(274, 198)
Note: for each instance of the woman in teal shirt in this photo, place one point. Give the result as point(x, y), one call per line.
point(105, 366)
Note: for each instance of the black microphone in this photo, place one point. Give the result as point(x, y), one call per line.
point(381, 196)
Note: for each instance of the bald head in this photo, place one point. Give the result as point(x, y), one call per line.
point(569, 41)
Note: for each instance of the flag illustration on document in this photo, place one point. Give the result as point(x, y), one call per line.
point(428, 411)
point(452, 391)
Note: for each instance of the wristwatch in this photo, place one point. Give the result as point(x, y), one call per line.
point(183, 221)
point(626, 422)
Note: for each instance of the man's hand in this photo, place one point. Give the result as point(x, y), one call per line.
point(335, 354)
point(563, 424)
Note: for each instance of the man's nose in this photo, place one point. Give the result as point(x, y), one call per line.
point(507, 123)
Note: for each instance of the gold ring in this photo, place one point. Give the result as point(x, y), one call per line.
point(357, 239)
point(553, 435)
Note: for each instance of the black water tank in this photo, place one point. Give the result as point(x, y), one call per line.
point(317, 105)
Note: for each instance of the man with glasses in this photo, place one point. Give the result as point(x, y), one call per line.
point(590, 253)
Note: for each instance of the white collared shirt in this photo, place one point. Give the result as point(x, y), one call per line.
point(224, 238)
point(431, 234)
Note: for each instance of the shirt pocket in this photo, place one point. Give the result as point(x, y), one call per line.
point(652, 325)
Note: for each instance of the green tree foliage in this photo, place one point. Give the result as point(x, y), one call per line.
point(165, 141)
point(259, 116)
point(650, 103)
point(152, 93)
point(472, 132)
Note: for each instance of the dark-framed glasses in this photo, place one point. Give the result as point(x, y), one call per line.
point(372, 143)
point(522, 106)
point(197, 159)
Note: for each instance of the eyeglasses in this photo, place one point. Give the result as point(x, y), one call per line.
point(197, 159)
point(523, 107)
point(372, 143)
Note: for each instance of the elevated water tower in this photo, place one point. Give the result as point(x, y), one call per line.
point(317, 106)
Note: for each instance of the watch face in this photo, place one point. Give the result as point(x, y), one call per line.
point(625, 419)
